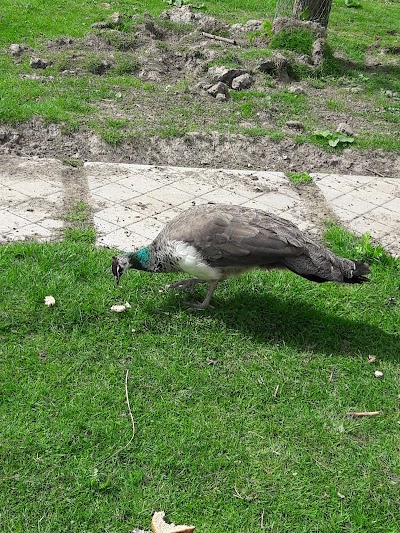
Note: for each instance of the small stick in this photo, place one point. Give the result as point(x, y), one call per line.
point(262, 520)
point(276, 391)
point(218, 38)
point(237, 493)
point(132, 421)
point(364, 413)
point(332, 374)
point(375, 172)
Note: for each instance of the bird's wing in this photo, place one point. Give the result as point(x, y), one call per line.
point(233, 235)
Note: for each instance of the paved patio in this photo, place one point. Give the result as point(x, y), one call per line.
point(131, 203)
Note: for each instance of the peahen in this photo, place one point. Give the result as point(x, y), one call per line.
point(215, 242)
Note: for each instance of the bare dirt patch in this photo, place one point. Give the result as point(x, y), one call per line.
point(178, 122)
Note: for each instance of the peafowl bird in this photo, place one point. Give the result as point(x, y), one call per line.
point(215, 242)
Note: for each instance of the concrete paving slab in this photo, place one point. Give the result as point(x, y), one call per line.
point(131, 203)
point(365, 204)
point(165, 191)
point(31, 198)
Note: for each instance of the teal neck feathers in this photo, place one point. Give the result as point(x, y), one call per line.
point(138, 260)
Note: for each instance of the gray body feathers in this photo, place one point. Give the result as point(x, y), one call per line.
point(234, 239)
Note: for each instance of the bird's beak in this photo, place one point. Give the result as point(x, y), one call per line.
point(115, 270)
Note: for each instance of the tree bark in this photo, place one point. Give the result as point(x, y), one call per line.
point(314, 10)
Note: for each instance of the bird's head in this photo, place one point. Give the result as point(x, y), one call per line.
point(136, 260)
point(120, 265)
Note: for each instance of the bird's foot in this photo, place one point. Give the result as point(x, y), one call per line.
point(184, 284)
point(199, 305)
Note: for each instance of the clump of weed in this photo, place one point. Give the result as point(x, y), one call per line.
point(299, 178)
point(96, 64)
point(296, 40)
point(264, 33)
point(126, 65)
point(359, 248)
point(120, 40)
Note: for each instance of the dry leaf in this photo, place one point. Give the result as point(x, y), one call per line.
point(371, 358)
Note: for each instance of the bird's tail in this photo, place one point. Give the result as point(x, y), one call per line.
point(319, 264)
point(359, 273)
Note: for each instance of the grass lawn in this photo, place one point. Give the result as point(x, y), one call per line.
point(120, 105)
point(216, 443)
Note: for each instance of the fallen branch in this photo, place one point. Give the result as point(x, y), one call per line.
point(218, 38)
point(364, 413)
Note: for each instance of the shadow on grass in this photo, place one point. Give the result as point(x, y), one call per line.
point(300, 325)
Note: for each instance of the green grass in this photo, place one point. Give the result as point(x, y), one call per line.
point(298, 178)
point(91, 95)
point(214, 446)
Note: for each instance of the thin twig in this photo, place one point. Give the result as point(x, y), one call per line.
point(262, 520)
point(364, 413)
point(132, 421)
point(276, 391)
point(375, 172)
point(332, 374)
point(237, 493)
point(218, 38)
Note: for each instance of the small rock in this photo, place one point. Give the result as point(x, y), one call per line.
point(99, 25)
point(221, 97)
point(243, 81)
point(295, 124)
point(15, 49)
point(115, 19)
point(225, 75)
point(219, 88)
point(344, 128)
point(378, 374)
point(296, 89)
point(3, 136)
point(37, 62)
point(341, 496)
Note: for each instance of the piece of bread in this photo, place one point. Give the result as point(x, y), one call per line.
point(158, 525)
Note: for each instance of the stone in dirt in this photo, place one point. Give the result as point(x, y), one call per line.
point(344, 128)
point(296, 89)
point(250, 25)
point(219, 88)
point(295, 124)
point(16, 49)
point(224, 75)
point(37, 62)
point(242, 82)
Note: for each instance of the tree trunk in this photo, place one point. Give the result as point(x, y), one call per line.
point(314, 10)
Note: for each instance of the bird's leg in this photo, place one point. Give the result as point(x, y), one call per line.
point(212, 285)
point(185, 284)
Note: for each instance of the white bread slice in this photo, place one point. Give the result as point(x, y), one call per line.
point(158, 525)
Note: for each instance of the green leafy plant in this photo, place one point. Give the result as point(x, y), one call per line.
point(334, 138)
